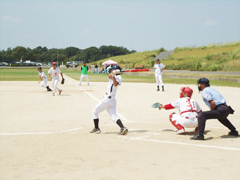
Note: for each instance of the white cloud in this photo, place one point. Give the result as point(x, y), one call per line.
point(210, 23)
point(11, 19)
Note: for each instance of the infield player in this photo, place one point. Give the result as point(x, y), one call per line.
point(43, 79)
point(218, 109)
point(109, 102)
point(188, 108)
point(54, 71)
point(84, 70)
point(159, 67)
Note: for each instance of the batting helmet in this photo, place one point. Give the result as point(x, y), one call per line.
point(115, 67)
point(39, 68)
point(54, 63)
point(186, 90)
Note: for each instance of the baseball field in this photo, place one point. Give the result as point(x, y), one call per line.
point(47, 138)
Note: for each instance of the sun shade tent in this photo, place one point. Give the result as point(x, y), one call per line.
point(109, 62)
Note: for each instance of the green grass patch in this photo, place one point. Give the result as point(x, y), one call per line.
point(31, 74)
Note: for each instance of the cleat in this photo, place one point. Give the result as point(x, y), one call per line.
point(79, 84)
point(180, 131)
point(233, 133)
point(60, 91)
point(197, 137)
point(53, 94)
point(158, 89)
point(96, 131)
point(49, 89)
point(123, 131)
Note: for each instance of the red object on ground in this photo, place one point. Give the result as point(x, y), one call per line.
point(137, 70)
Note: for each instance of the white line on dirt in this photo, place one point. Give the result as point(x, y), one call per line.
point(143, 138)
point(41, 133)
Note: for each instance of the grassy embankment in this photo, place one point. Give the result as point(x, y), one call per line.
point(31, 74)
point(221, 57)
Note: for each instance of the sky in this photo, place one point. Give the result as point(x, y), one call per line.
point(140, 25)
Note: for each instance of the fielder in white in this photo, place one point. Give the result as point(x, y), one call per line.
point(159, 67)
point(43, 79)
point(188, 108)
point(54, 71)
point(109, 102)
point(84, 70)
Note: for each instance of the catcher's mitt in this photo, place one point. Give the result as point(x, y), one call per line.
point(63, 80)
point(156, 105)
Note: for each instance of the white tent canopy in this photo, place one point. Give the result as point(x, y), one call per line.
point(109, 62)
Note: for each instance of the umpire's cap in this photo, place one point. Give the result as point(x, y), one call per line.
point(203, 81)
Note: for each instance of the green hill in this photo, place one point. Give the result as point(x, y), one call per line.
point(220, 57)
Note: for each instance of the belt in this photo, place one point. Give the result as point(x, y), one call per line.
point(220, 105)
point(188, 111)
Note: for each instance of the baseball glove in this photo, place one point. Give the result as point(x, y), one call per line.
point(63, 80)
point(157, 105)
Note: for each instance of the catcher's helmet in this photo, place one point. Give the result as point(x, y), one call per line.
point(115, 67)
point(186, 90)
point(39, 68)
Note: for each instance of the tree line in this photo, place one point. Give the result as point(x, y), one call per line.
point(45, 55)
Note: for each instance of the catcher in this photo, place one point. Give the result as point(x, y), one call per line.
point(188, 108)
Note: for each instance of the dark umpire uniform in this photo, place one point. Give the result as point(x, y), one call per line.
point(219, 109)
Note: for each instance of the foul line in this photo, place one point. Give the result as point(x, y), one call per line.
point(143, 138)
point(94, 97)
point(40, 133)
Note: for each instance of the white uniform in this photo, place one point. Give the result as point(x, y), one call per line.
point(55, 77)
point(158, 73)
point(189, 110)
point(92, 68)
point(44, 79)
point(109, 102)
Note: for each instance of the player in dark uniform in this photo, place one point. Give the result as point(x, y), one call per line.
point(218, 109)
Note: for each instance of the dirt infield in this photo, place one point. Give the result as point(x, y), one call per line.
point(45, 137)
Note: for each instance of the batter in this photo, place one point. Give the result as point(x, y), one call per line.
point(109, 102)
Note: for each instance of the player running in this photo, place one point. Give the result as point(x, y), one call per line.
point(43, 79)
point(159, 67)
point(54, 71)
point(188, 108)
point(109, 101)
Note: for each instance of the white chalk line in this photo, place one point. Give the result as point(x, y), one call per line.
point(143, 138)
point(41, 133)
point(126, 120)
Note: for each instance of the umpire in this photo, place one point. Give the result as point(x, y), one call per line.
point(219, 109)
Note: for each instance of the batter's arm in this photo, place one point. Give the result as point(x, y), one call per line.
point(115, 83)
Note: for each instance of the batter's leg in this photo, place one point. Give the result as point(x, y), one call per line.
point(101, 106)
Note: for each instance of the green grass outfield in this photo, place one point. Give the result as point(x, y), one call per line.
point(31, 74)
